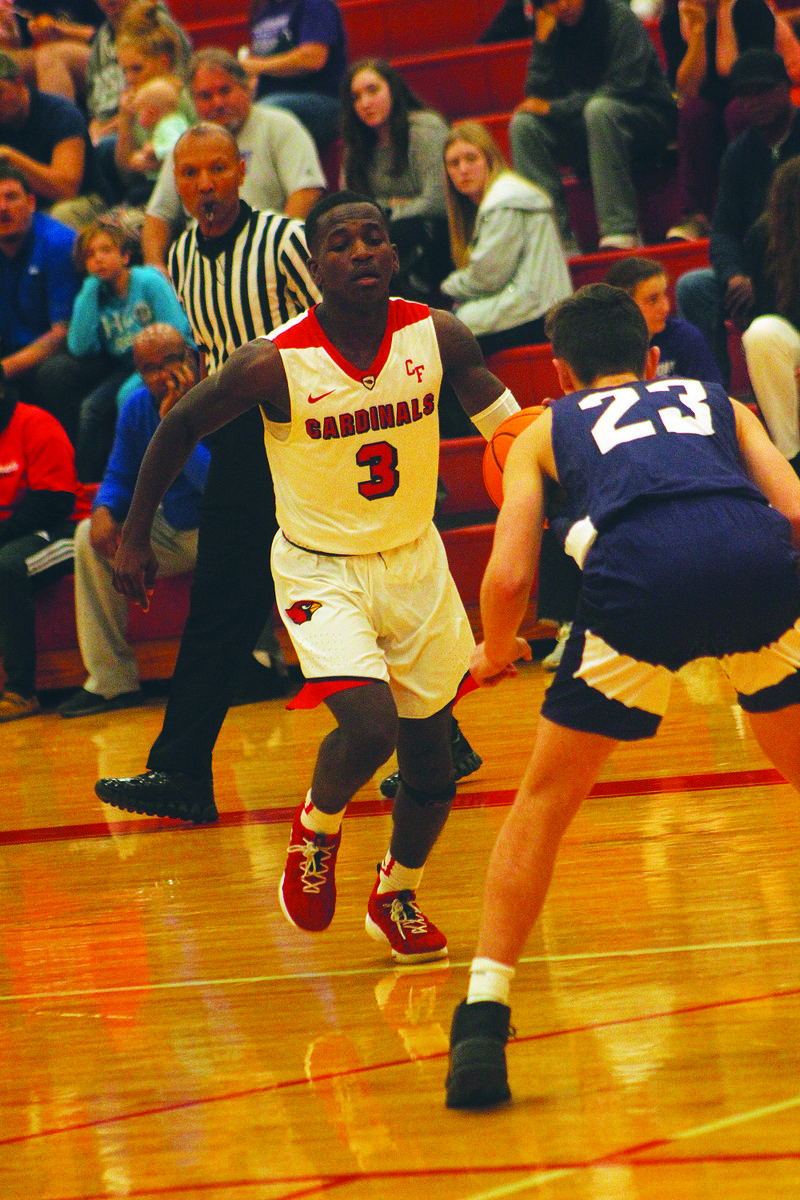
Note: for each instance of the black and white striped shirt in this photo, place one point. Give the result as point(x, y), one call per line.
point(244, 284)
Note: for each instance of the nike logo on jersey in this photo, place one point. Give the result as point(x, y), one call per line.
point(314, 399)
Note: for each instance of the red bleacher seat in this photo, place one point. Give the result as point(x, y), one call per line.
point(460, 469)
point(528, 371)
point(740, 379)
point(229, 32)
point(390, 27)
point(468, 551)
point(676, 257)
point(470, 81)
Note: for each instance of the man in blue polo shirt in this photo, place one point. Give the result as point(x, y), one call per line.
point(38, 282)
point(38, 286)
point(46, 138)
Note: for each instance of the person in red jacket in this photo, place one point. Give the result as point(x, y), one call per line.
point(41, 503)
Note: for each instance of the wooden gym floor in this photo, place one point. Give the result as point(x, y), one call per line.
point(165, 1033)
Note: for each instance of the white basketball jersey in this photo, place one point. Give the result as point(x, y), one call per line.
point(355, 469)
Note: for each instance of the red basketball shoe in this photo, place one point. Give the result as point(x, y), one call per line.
point(397, 919)
point(307, 890)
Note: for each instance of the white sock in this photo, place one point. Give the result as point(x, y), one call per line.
point(319, 822)
point(489, 980)
point(393, 877)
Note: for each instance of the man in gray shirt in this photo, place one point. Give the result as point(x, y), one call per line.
point(282, 169)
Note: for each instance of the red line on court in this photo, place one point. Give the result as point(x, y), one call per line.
point(367, 1068)
point(707, 781)
point(306, 1185)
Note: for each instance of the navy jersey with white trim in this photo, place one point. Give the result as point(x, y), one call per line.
point(617, 446)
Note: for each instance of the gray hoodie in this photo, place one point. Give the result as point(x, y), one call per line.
point(517, 269)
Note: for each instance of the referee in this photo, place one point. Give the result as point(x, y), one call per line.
point(239, 274)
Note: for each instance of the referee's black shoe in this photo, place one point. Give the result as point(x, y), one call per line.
point(465, 762)
point(161, 794)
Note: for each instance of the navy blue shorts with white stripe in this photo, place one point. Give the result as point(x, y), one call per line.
point(674, 581)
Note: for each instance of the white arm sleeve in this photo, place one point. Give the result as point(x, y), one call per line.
point(489, 418)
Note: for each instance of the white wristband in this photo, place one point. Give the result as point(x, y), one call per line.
point(489, 418)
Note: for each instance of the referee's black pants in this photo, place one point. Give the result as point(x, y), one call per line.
point(232, 595)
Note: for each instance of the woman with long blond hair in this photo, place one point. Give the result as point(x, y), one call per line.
point(148, 48)
point(510, 265)
point(772, 341)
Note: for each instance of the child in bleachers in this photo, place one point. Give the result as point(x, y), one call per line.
point(157, 106)
point(116, 301)
point(684, 351)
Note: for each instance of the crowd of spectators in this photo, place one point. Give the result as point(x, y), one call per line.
point(94, 98)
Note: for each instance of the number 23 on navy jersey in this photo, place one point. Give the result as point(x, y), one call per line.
point(667, 438)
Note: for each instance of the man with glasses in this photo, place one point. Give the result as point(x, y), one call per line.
point(169, 369)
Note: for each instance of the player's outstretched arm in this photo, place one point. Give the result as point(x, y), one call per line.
point(511, 570)
point(767, 467)
point(251, 375)
point(474, 384)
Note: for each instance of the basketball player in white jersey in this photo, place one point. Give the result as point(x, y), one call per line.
point(349, 395)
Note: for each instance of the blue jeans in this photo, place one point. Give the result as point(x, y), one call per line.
point(699, 300)
point(97, 422)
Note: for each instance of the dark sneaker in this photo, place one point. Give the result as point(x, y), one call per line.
point(86, 704)
point(307, 891)
point(162, 794)
point(14, 707)
point(396, 919)
point(465, 762)
point(478, 1077)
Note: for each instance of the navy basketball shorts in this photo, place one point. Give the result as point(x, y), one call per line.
point(674, 581)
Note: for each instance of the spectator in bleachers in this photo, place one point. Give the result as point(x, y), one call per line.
point(38, 286)
point(115, 303)
point(702, 39)
point(62, 44)
point(40, 505)
point(45, 137)
point(392, 152)
point(772, 340)
point(683, 351)
point(709, 296)
point(168, 368)
point(513, 21)
point(282, 168)
point(105, 77)
point(52, 51)
point(148, 49)
point(510, 266)
point(158, 112)
point(298, 54)
point(597, 99)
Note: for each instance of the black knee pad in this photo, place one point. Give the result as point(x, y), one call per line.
point(430, 799)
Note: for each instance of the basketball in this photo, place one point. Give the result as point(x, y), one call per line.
point(496, 452)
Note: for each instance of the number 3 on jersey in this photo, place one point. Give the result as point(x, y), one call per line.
point(384, 478)
point(607, 433)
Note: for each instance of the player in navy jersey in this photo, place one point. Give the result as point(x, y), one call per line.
point(685, 520)
point(349, 394)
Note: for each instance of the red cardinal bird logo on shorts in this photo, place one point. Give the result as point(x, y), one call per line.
point(302, 611)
